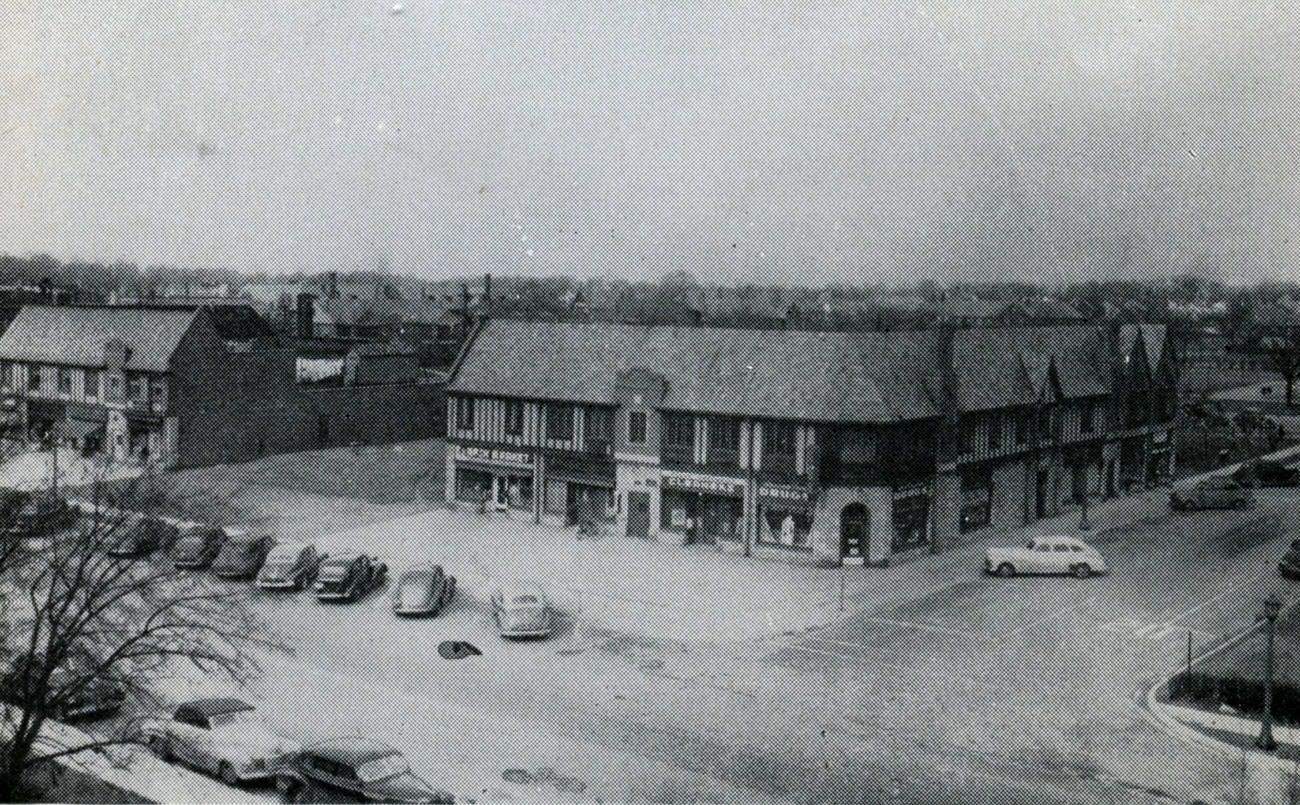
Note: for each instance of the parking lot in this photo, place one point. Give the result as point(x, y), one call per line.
point(746, 679)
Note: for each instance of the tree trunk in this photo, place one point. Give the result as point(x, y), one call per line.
point(1290, 379)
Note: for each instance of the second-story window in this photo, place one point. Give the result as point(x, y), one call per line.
point(724, 441)
point(598, 428)
point(33, 378)
point(995, 431)
point(6, 375)
point(779, 447)
point(465, 413)
point(92, 384)
point(65, 380)
point(559, 422)
point(115, 387)
point(636, 427)
point(1086, 416)
point(679, 438)
point(138, 389)
point(156, 392)
point(514, 418)
point(1021, 424)
point(964, 441)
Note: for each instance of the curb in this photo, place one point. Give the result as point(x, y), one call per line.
point(1159, 716)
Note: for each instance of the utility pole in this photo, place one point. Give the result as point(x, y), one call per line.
point(1272, 607)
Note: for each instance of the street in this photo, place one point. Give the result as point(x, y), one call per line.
point(936, 684)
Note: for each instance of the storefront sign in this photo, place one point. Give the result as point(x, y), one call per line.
point(912, 490)
point(702, 484)
point(487, 455)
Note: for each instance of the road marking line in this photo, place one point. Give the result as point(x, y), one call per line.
point(1150, 627)
point(1219, 597)
point(926, 627)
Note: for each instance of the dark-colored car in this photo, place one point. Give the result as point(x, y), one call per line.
point(141, 536)
point(242, 556)
point(423, 590)
point(1289, 565)
point(197, 546)
point(44, 513)
point(349, 576)
point(72, 694)
point(1266, 473)
point(353, 770)
point(1212, 493)
point(290, 566)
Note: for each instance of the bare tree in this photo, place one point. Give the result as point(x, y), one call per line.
point(76, 620)
point(1281, 347)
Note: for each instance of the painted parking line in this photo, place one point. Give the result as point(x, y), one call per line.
point(831, 651)
point(923, 626)
point(1221, 596)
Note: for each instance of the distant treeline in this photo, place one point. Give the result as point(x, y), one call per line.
point(678, 297)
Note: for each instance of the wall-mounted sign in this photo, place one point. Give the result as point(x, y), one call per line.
point(792, 493)
point(697, 483)
point(489, 455)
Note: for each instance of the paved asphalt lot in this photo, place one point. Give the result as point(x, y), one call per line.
point(936, 684)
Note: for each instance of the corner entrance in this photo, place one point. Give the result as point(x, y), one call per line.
point(638, 514)
point(854, 521)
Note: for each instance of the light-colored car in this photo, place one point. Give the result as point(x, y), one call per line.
point(1217, 492)
point(522, 610)
point(1049, 555)
point(423, 590)
point(222, 736)
point(290, 566)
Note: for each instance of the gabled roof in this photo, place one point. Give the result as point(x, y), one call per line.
point(76, 336)
point(1153, 338)
point(781, 374)
point(1000, 367)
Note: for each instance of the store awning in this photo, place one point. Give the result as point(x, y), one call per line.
point(78, 428)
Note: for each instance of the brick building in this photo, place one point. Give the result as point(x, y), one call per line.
point(810, 446)
point(190, 386)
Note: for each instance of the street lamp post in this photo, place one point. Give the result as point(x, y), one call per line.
point(1271, 608)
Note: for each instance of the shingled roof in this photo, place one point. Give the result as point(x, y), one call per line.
point(999, 367)
point(782, 374)
point(76, 336)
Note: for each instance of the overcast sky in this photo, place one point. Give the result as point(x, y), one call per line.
point(797, 142)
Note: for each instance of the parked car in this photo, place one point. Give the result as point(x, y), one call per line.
point(1049, 555)
point(224, 737)
point(522, 610)
point(1252, 418)
point(41, 513)
point(141, 536)
point(349, 576)
point(1266, 473)
point(242, 556)
point(74, 695)
point(1217, 492)
point(423, 590)
point(290, 566)
point(354, 770)
point(197, 546)
point(1289, 565)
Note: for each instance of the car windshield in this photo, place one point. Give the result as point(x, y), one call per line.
point(417, 579)
point(381, 768)
point(333, 572)
point(190, 544)
point(277, 567)
point(237, 718)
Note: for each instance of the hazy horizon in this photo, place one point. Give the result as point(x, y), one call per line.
point(808, 144)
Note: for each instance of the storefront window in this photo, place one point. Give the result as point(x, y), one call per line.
point(977, 501)
point(473, 486)
point(518, 491)
point(911, 521)
point(785, 527)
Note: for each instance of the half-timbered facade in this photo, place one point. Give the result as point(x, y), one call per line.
point(810, 446)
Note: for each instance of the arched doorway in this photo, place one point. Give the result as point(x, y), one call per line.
point(854, 521)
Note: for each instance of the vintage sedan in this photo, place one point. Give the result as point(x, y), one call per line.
point(1217, 492)
point(224, 737)
point(40, 513)
point(354, 769)
point(140, 536)
point(1262, 472)
point(1289, 565)
point(349, 576)
point(1045, 555)
point(242, 556)
point(522, 610)
point(71, 694)
point(290, 566)
point(197, 546)
point(423, 590)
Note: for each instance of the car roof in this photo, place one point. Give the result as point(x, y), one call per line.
point(289, 548)
point(343, 558)
point(1059, 538)
point(516, 589)
point(351, 750)
point(213, 707)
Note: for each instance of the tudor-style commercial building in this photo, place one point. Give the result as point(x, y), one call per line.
point(810, 446)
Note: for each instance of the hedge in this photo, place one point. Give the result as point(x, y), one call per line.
point(1244, 695)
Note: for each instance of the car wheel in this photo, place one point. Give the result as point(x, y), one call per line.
point(1082, 571)
point(160, 747)
point(1006, 570)
point(227, 774)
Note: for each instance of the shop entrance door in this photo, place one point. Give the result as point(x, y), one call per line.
point(854, 520)
point(638, 514)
